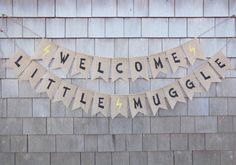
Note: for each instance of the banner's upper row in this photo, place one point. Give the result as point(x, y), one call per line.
point(56, 57)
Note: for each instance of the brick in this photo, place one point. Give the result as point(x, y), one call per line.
point(34, 126)
point(164, 158)
point(41, 143)
point(87, 158)
point(51, 31)
point(103, 158)
point(198, 107)
point(6, 7)
point(65, 9)
point(216, 8)
point(106, 143)
point(120, 158)
point(19, 108)
point(114, 27)
point(140, 8)
point(4, 143)
point(165, 125)
point(103, 8)
point(149, 142)
point(225, 124)
point(70, 143)
point(206, 124)
point(187, 125)
point(7, 158)
point(121, 125)
point(190, 8)
point(76, 27)
point(218, 106)
point(227, 157)
point(183, 157)
point(46, 8)
point(60, 126)
point(132, 27)
point(202, 157)
point(231, 103)
point(153, 27)
point(125, 8)
point(33, 158)
point(9, 88)
point(163, 142)
point(179, 141)
point(96, 27)
point(84, 8)
point(18, 143)
point(161, 8)
point(179, 110)
point(197, 26)
point(141, 125)
point(214, 142)
point(37, 25)
point(138, 158)
point(20, 6)
point(3, 108)
point(226, 29)
point(196, 142)
point(90, 143)
point(65, 158)
point(177, 27)
point(223, 89)
point(134, 142)
point(41, 107)
point(10, 126)
point(90, 125)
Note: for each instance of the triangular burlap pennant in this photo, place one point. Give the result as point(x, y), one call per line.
point(190, 85)
point(46, 51)
point(119, 105)
point(82, 64)
point(18, 62)
point(156, 99)
point(33, 73)
point(101, 103)
point(100, 68)
point(206, 75)
point(138, 67)
point(49, 84)
point(137, 103)
point(158, 63)
point(176, 58)
point(83, 99)
point(119, 69)
point(220, 63)
point(65, 93)
point(173, 94)
point(63, 59)
point(193, 51)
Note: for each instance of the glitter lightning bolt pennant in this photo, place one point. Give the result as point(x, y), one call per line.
point(119, 105)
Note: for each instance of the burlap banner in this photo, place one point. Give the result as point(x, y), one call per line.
point(116, 68)
point(115, 105)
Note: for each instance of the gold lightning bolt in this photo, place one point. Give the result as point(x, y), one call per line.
point(192, 50)
point(46, 50)
point(118, 103)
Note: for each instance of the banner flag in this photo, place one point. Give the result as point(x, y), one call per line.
point(176, 58)
point(158, 63)
point(220, 63)
point(173, 94)
point(83, 99)
point(138, 68)
point(206, 75)
point(63, 59)
point(82, 64)
point(101, 103)
point(193, 51)
point(137, 103)
point(156, 99)
point(100, 68)
point(65, 93)
point(46, 51)
point(33, 73)
point(119, 69)
point(18, 62)
point(119, 105)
